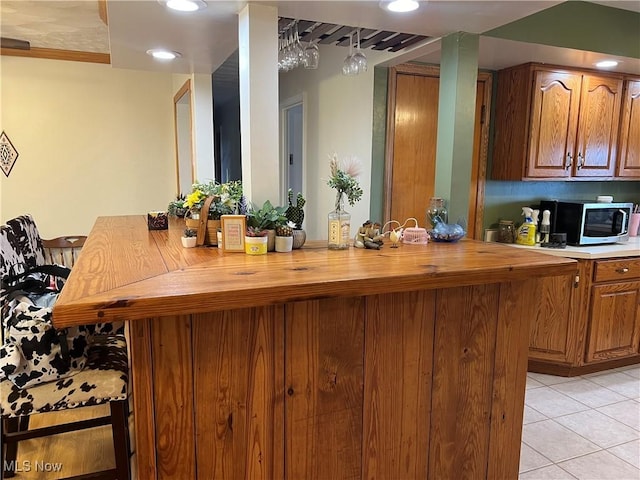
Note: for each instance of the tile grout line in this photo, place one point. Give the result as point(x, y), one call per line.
point(588, 408)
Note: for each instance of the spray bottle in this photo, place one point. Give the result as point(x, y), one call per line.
point(526, 234)
point(545, 226)
point(534, 217)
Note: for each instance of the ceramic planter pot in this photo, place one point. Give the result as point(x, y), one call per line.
point(188, 242)
point(271, 240)
point(299, 237)
point(255, 245)
point(284, 244)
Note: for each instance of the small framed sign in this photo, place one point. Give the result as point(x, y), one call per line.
point(233, 230)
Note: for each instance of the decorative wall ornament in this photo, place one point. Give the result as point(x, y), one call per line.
point(8, 154)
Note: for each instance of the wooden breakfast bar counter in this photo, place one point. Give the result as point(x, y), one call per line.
point(405, 363)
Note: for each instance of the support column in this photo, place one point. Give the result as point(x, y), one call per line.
point(456, 114)
point(259, 124)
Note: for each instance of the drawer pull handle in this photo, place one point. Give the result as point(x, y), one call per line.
point(622, 270)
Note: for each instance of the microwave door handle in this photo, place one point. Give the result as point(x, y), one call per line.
point(623, 224)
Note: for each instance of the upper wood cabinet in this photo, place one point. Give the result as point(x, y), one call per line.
point(555, 123)
point(629, 151)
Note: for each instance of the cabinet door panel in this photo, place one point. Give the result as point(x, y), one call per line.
point(600, 102)
point(615, 321)
point(629, 151)
point(554, 119)
point(549, 307)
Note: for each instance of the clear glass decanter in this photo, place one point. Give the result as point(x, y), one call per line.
point(339, 225)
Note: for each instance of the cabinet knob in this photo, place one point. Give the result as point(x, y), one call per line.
point(580, 161)
point(622, 270)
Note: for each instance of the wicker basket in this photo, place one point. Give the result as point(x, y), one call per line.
point(415, 235)
point(207, 229)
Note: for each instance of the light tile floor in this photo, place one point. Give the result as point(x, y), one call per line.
point(584, 428)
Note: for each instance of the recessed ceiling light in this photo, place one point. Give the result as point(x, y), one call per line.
point(186, 5)
point(162, 54)
point(400, 6)
point(606, 64)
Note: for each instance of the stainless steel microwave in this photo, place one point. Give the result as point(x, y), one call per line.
point(589, 223)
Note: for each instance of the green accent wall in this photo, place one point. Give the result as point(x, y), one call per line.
point(456, 116)
point(579, 25)
point(380, 78)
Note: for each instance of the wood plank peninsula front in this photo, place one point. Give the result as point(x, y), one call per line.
point(405, 363)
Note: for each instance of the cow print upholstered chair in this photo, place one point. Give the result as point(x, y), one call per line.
point(104, 378)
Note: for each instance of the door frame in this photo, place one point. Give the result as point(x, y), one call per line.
point(479, 169)
point(285, 105)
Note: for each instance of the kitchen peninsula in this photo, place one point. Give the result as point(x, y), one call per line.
point(316, 364)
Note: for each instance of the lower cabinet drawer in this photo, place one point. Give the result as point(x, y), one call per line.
point(616, 270)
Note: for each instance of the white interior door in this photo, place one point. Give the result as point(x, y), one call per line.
point(292, 148)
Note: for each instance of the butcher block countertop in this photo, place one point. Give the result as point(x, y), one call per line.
point(126, 272)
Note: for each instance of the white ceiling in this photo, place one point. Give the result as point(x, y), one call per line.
point(208, 37)
point(496, 53)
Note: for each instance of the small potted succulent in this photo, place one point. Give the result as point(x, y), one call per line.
point(255, 240)
point(267, 217)
point(189, 238)
point(284, 237)
point(176, 207)
point(295, 214)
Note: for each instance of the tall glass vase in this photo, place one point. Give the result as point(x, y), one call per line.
point(339, 225)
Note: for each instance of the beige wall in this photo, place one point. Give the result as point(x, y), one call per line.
point(338, 118)
point(92, 140)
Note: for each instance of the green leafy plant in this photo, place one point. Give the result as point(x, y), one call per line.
point(267, 217)
point(189, 232)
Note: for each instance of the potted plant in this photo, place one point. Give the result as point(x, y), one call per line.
point(189, 238)
point(255, 241)
point(267, 218)
point(284, 237)
point(176, 207)
point(295, 214)
point(227, 199)
point(344, 180)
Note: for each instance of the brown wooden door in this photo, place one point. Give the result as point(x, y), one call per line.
point(554, 120)
point(614, 330)
point(414, 146)
point(411, 152)
point(597, 136)
point(629, 151)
